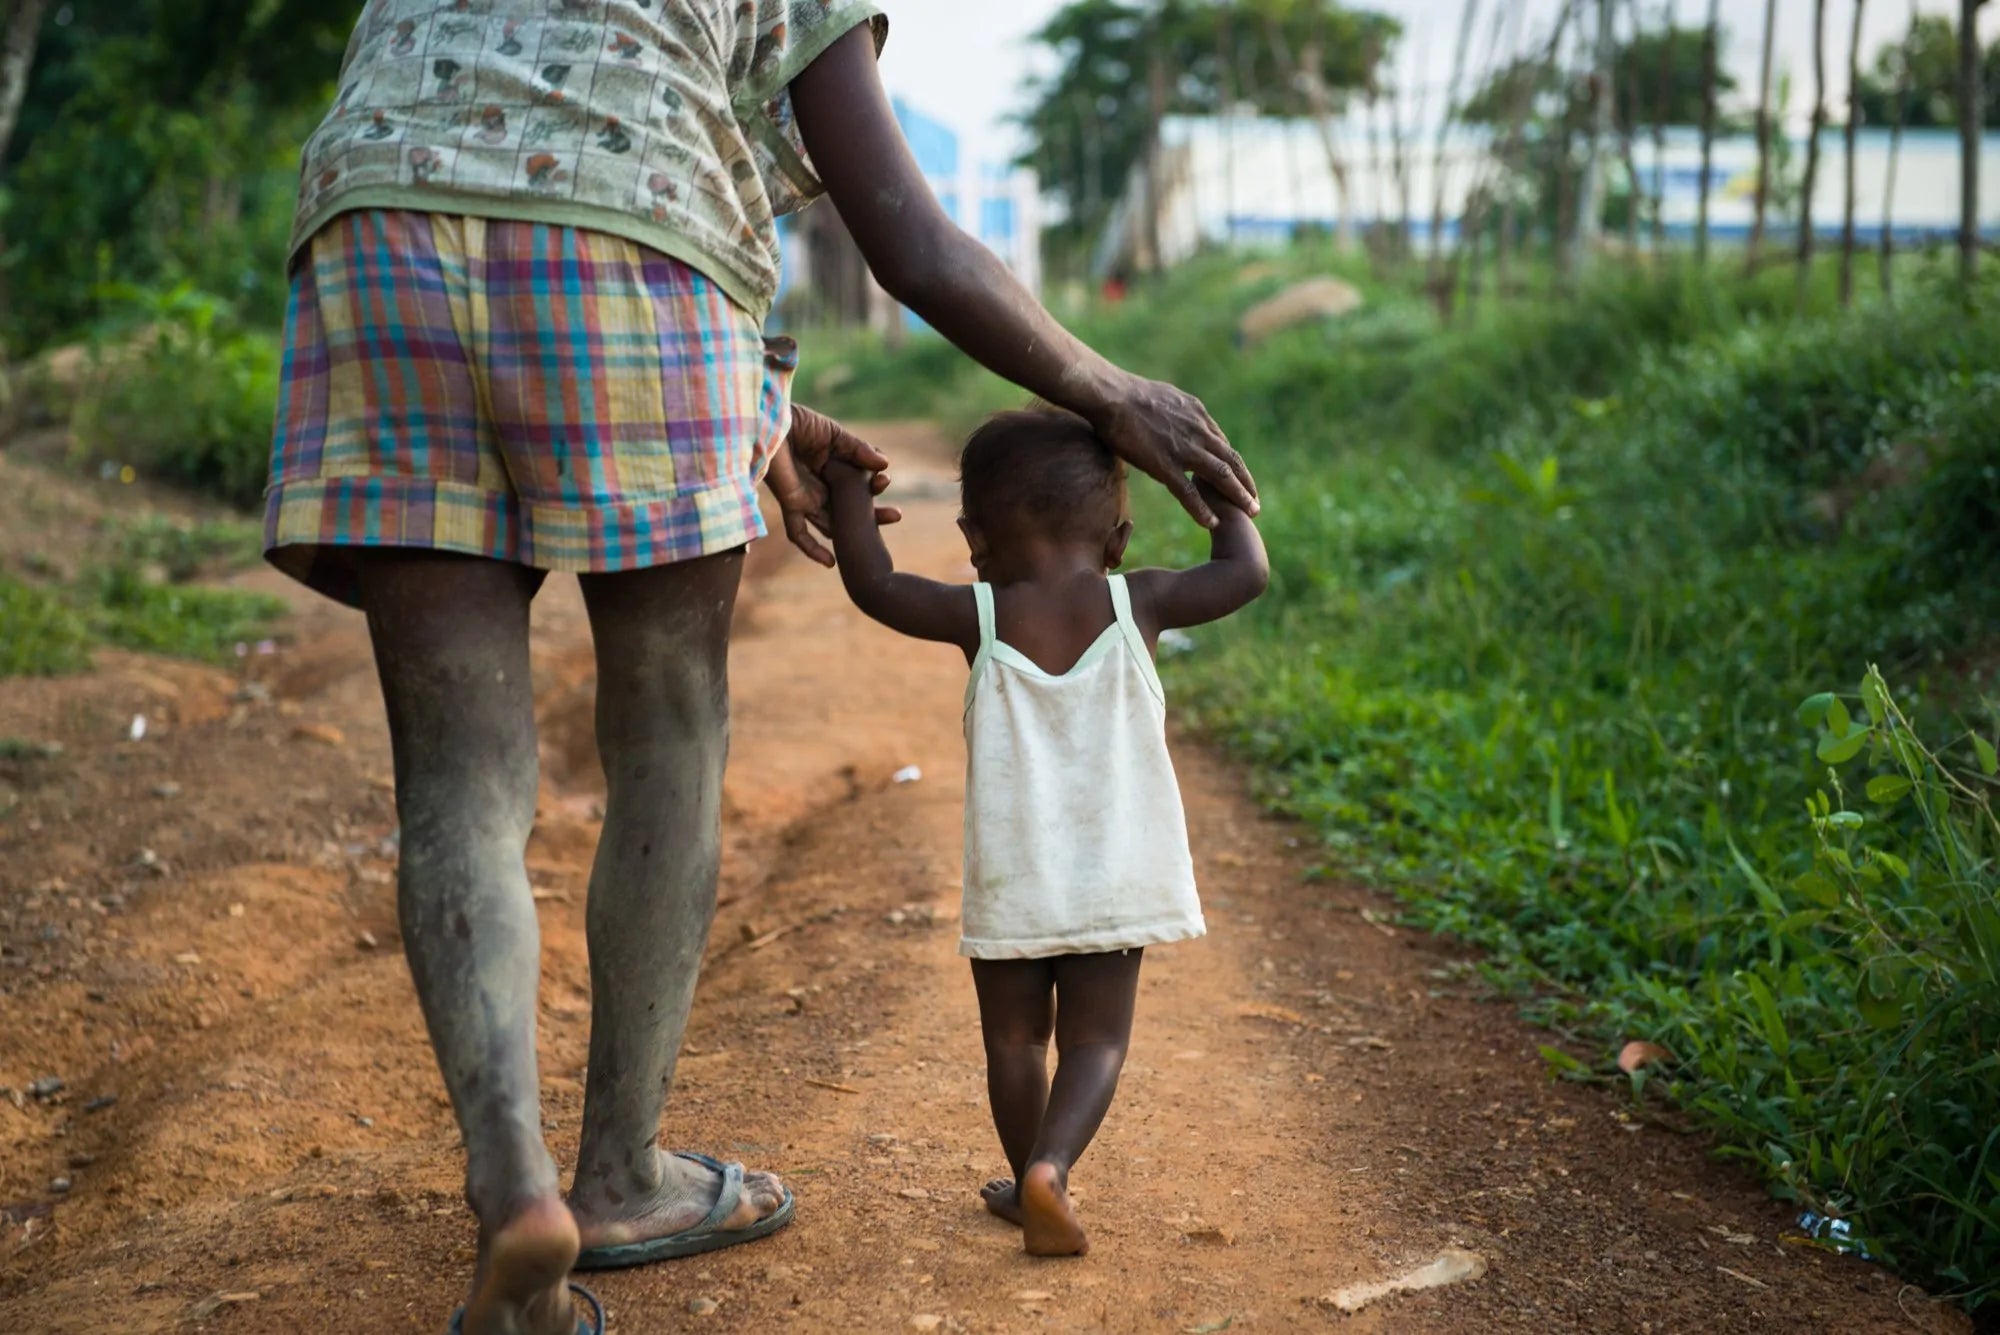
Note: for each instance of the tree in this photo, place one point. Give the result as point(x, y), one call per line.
point(1274, 57)
point(20, 31)
point(1672, 61)
point(158, 141)
point(1918, 76)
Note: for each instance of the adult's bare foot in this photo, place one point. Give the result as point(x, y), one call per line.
point(666, 1195)
point(521, 1286)
point(1049, 1222)
point(1003, 1198)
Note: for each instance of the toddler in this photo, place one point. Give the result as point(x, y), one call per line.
point(1076, 850)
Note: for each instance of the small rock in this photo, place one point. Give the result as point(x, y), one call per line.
point(60, 1186)
point(188, 958)
point(237, 910)
point(703, 1306)
point(100, 1103)
point(909, 774)
point(137, 730)
point(367, 941)
point(926, 1321)
point(323, 733)
point(46, 1088)
point(364, 1121)
point(79, 1159)
point(1033, 1296)
point(881, 1138)
point(166, 791)
point(914, 1194)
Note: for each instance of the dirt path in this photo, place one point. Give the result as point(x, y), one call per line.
point(201, 926)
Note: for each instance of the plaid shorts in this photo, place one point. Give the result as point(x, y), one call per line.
point(549, 396)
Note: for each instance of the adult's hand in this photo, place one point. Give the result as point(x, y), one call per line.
point(1168, 435)
point(928, 263)
point(795, 483)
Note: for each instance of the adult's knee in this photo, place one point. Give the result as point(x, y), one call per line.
point(665, 714)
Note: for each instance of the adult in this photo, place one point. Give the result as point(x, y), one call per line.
point(535, 251)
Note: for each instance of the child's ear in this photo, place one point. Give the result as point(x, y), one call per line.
point(975, 541)
point(1114, 546)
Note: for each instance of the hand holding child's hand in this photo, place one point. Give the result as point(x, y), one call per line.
point(815, 443)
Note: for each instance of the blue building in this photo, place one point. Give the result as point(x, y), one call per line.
point(824, 280)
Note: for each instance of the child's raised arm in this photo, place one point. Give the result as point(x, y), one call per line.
point(1236, 573)
point(925, 609)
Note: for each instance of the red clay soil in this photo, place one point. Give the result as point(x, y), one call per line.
point(200, 942)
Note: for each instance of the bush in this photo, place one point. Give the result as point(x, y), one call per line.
point(190, 398)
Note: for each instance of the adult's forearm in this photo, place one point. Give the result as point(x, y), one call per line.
point(965, 292)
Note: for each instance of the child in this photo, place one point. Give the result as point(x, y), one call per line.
point(1076, 853)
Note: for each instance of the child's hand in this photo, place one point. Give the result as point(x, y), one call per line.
point(805, 500)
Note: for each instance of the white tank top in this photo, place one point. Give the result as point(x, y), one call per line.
point(1075, 838)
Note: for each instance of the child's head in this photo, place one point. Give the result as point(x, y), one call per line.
point(1040, 478)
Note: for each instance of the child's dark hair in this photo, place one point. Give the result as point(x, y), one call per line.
point(1040, 465)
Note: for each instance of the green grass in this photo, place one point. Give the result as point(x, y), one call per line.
point(140, 598)
point(1548, 590)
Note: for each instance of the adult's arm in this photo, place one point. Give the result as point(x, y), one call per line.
point(966, 293)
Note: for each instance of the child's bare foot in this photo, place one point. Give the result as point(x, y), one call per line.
point(1048, 1216)
point(522, 1283)
point(1003, 1198)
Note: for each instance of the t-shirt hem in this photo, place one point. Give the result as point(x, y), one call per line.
point(1124, 938)
point(551, 212)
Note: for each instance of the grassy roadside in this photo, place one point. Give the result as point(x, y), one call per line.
point(1550, 588)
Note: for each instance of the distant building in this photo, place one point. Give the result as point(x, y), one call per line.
point(824, 280)
point(1258, 181)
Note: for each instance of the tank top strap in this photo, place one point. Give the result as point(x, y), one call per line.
point(1135, 640)
point(982, 596)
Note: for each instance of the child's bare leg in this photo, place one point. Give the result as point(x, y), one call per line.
point(1095, 997)
point(451, 646)
point(1016, 1017)
point(662, 639)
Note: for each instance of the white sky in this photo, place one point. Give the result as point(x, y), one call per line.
point(966, 61)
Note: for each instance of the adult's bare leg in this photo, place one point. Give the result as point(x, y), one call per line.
point(662, 638)
point(451, 646)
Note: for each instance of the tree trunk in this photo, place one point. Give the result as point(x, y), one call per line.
point(1763, 137)
point(1467, 20)
point(1808, 239)
point(1627, 136)
point(1156, 84)
point(1711, 41)
point(1661, 106)
point(1590, 194)
point(1225, 73)
point(17, 59)
point(1853, 129)
point(1971, 115)
point(1305, 73)
point(1897, 112)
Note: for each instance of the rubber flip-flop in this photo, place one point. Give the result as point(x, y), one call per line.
point(707, 1236)
point(590, 1324)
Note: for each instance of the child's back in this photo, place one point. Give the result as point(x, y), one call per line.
point(1075, 840)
